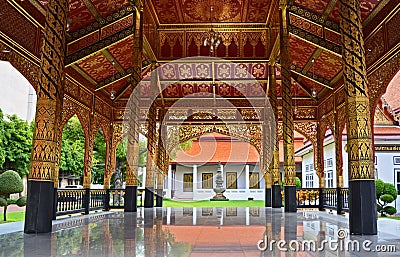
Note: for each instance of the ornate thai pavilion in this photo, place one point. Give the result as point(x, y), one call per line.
point(316, 63)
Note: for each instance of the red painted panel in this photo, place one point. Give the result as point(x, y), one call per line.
point(178, 49)
point(315, 6)
point(192, 49)
point(233, 49)
point(83, 42)
point(97, 67)
point(260, 49)
point(327, 65)
point(107, 7)
point(79, 14)
point(122, 52)
point(300, 51)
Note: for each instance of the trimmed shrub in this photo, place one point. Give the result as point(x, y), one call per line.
point(10, 183)
point(386, 193)
point(21, 201)
point(3, 202)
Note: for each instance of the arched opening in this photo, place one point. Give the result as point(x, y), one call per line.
point(17, 111)
point(72, 154)
point(117, 178)
point(194, 167)
point(17, 94)
point(98, 160)
point(329, 159)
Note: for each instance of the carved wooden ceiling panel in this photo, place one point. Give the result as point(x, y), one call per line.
point(327, 65)
point(315, 6)
point(122, 52)
point(79, 15)
point(107, 7)
point(98, 67)
point(311, 84)
point(301, 51)
point(117, 86)
point(199, 11)
point(223, 11)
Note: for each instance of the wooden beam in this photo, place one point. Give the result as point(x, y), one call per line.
point(99, 46)
point(315, 40)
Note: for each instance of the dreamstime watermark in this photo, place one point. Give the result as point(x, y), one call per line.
point(339, 244)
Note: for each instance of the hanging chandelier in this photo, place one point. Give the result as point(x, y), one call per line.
point(212, 38)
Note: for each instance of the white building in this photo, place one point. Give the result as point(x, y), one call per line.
point(191, 174)
point(387, 156)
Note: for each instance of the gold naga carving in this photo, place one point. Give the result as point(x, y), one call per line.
point(249, 133)
point(308, 129)
point(305, 113)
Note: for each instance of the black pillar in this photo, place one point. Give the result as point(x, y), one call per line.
point(268, 197)
point(107, 200)
point(290, 199)
point(159, 198)
point(339, 207)
point(86, 200)
point(361, 194)
point(276, 196)
point(321, 199)
point(55, 204)
point(39, 207)
point(149, 197)
point(130, 203)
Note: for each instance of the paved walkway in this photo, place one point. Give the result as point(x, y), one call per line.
point(11, 227)
point(197, 232)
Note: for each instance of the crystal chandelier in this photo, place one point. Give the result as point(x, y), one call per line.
point(212, 38)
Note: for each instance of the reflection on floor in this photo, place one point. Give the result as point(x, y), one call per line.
point(204, 232)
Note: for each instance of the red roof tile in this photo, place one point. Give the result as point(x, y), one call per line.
point(214, 147)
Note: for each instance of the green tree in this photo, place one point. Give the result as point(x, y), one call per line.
point(2, 139)
point(10, 183)
point(386, 193)
point(99, 156)
point(73, 148)
point(16, 144)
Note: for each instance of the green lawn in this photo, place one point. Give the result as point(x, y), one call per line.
point(391, 217)
point(13, 217)
point(208, 203)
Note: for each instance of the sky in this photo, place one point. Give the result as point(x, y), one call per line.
point(17, 95)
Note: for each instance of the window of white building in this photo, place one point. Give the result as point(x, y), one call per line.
point(397, 173)
point(328, 178)
point(329, 163)
point(187, 182)
point(309, 180)
point(309, 176)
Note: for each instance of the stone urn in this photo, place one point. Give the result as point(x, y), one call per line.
point(219, 182)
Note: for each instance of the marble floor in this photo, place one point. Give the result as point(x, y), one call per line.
point(204, 232)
